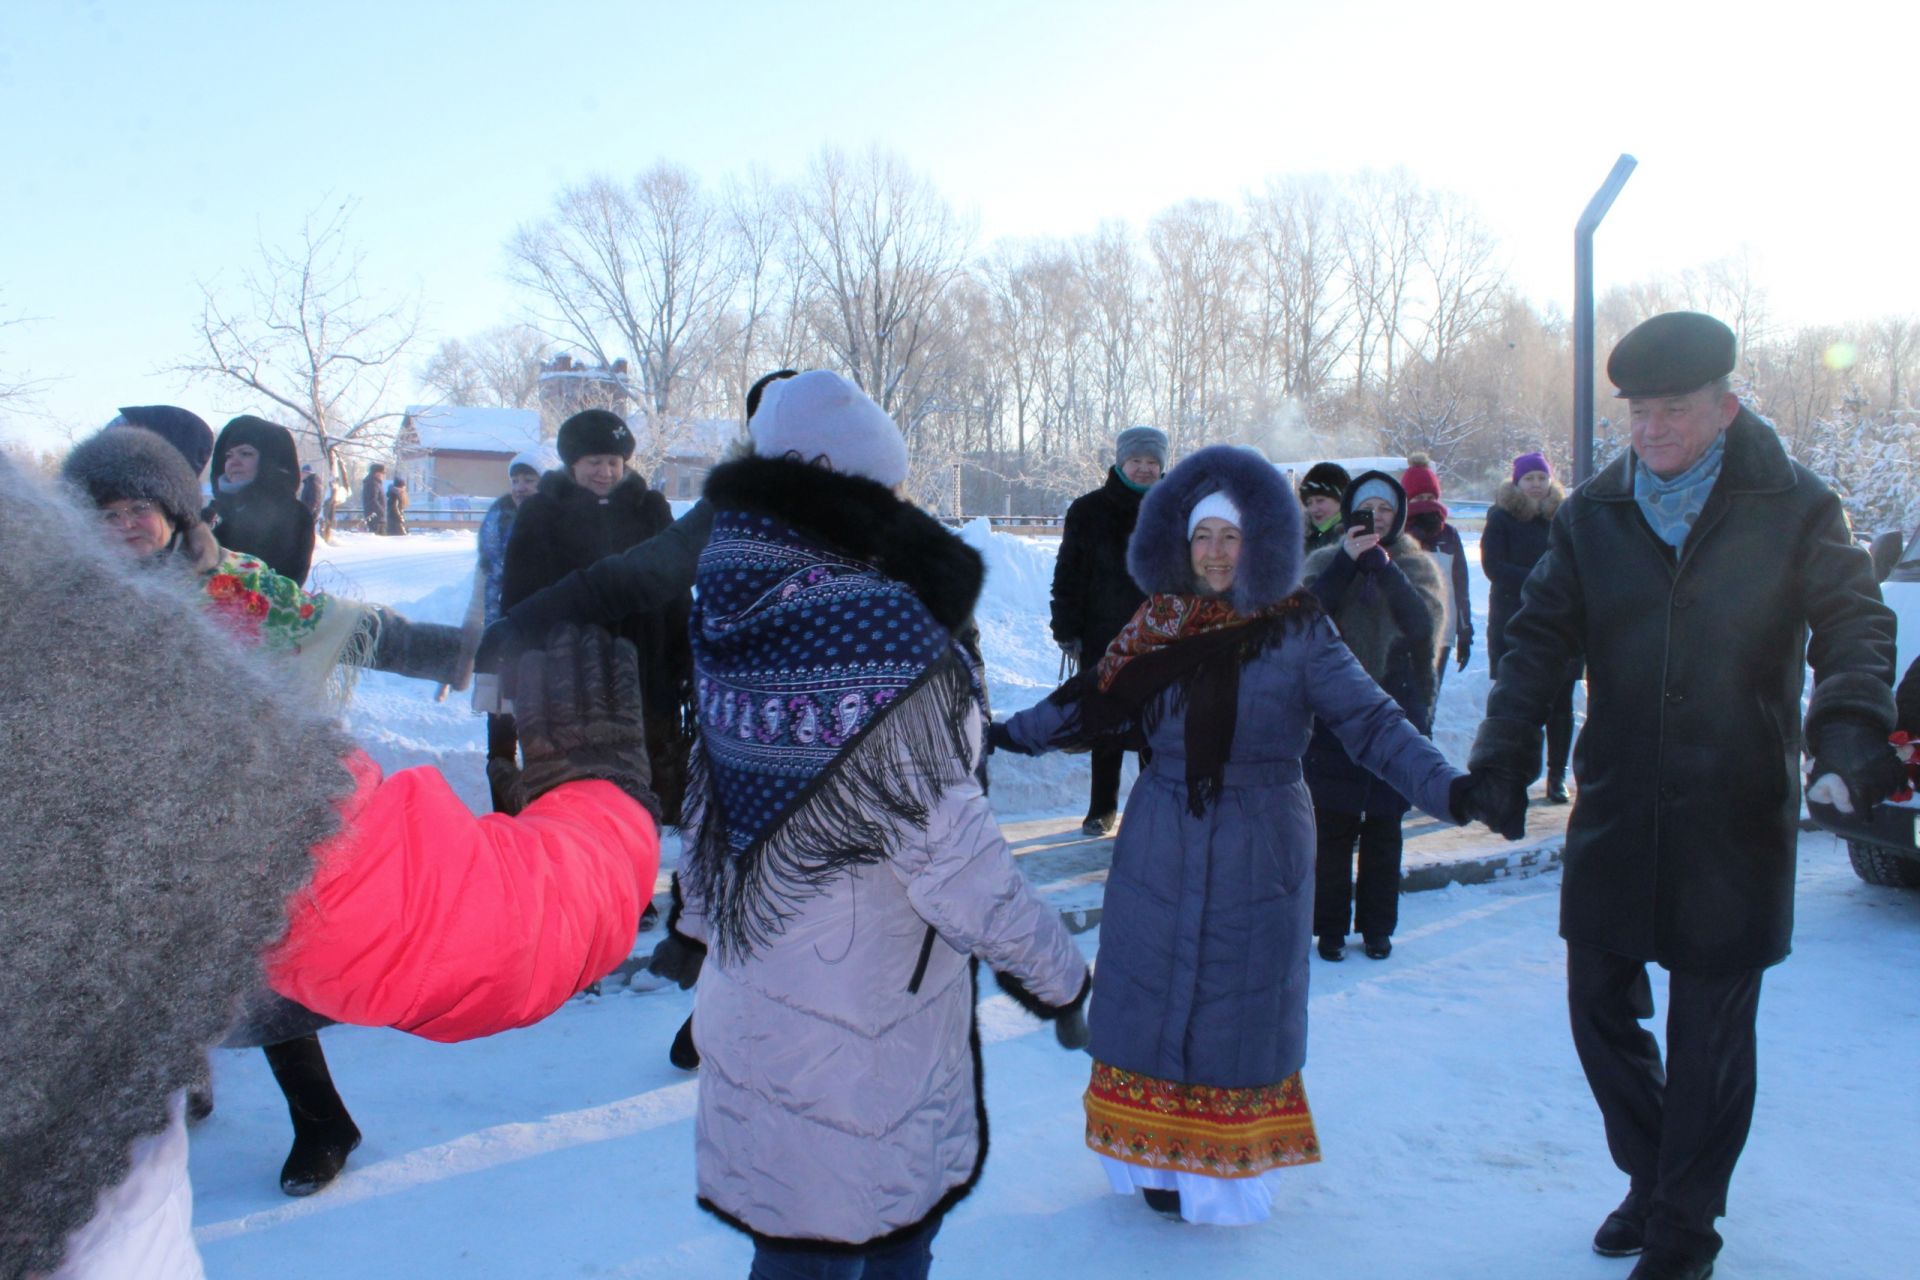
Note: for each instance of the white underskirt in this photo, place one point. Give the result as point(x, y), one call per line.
point(1215, 1202)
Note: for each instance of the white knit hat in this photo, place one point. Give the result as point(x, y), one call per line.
point(821, 416)
point(1217, 504)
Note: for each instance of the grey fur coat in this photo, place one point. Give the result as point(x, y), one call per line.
point(160, 798)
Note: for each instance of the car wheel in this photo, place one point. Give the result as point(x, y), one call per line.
point(1877, 864)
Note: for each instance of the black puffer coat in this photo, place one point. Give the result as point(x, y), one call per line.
point(1512, 543)
point(266, 518)
point(1681, 844)
point(564, 527)
point(1093, 594)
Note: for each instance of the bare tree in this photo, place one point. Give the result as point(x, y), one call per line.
point(1297, 318)
point(1197, 255)
point(1111, 272)
point(499, 368)
point(1381, 246)
point(648, 269)
point(16, 394)
point(303, 336)
point(877, 247)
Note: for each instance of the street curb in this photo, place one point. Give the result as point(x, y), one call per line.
point(1516, 862)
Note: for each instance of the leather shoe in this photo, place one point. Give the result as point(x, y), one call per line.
point(1379, 947)
point(1332, 948)
point(1624, 1233)
point(1164, 1203)
point(1670, 1264)
point(1556, 789)
point(1099, 825)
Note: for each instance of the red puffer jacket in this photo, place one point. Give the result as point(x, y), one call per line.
point(423, 917)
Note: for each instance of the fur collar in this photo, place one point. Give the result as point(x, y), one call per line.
point(1271, 544)
point(1366, 619)
point(863, 520)
point(1512, 500)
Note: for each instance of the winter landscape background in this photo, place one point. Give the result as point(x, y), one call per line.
point(1460, 1140)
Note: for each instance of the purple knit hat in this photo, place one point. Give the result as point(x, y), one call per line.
point(1530, 462)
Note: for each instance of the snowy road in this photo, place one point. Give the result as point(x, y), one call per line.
point(1460, 1141)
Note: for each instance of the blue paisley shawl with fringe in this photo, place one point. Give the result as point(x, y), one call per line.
point(816, 677)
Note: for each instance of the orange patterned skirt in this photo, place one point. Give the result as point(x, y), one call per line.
point(1192, 1128)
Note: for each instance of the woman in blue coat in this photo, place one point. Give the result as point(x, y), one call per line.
point(1199, 1012)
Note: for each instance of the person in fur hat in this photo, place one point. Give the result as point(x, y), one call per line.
point(1427, 523)
point(1199, 1012)
point(840, 862)
point(398, 500)
point(1514, 540)
point(184, 429)
point(256, 509)
point(147, 501)
point(134, 924)
point(1389, 600)
point(1321, 493)
point(590, 507)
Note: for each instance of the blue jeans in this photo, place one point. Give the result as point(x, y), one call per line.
point(906, 1258)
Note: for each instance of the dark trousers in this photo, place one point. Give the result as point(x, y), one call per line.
point(1373, 902)
point(1675, 1131)
point(502, 741)
point(1106, 781)
point(1560, 729)
point(907, 1258)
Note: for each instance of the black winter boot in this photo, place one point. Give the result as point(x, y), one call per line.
point(1332, 948)
point(1556, 786)
point(1165, 1203)
point(323, 1133)
point(1625, 1231)
point(683, 1054)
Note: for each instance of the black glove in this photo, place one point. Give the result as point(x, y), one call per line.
point(500, 648)
point(1491, 796)
point(1070, 1028)
point(677, 959)
point(1465, 651)
point(1862, 757)
point(577, 707)
point(1000, 738)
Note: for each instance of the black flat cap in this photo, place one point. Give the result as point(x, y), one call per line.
point(1670, 355)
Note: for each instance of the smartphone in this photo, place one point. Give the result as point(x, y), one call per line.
point(1362, 520)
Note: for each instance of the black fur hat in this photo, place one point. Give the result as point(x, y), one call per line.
point(136, 464)
point(181, 428)
point(593, 431)
point(1271, 546)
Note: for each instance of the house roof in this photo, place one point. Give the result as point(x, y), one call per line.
point(449, 428)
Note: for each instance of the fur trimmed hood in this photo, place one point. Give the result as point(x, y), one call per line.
point(1510, 499)
point(141, 887)
point(279, 456)
point(863, 520)
point(1399, 505)
point(1271, 538)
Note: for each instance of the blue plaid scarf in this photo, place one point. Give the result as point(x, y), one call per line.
point(832, 708)
point(1671, 506)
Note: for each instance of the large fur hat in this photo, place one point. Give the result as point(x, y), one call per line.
point(134, 463)
point(141, 886)
point(181, 428)
point(1271, 539)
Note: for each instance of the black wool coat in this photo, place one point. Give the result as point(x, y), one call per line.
point(1681, 844)
point(564, 527)
point(373, 502)
point(1093, 594)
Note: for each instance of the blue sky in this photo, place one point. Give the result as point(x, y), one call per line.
point(148, 146)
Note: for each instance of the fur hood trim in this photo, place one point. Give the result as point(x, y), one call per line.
point(1271, 539)
point(1510, 499)
point(863, 520)
point(559, 485)
point(1366, 621)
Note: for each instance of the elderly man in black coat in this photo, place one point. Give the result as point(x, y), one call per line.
point(1699, 575)
point(1093, 594)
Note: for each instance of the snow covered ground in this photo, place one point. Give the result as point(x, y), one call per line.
point(1460, 1140)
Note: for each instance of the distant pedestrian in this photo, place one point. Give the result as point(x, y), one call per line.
point(397, 508)
point(1427, 522)
point(256, 510)
point(483, 605)
point(1387, 597)
point(1094, 596)
point(373, 498)
point(310, 490)
point(1321, 493)
point(1514, 540)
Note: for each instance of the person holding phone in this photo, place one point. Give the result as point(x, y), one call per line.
point(1388, 598)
